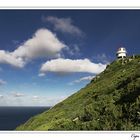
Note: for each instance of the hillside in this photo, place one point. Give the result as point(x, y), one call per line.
point(111, 101)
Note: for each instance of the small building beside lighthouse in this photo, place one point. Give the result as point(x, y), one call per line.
point(121, 53)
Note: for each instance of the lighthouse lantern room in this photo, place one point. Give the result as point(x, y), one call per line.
point(121, 53)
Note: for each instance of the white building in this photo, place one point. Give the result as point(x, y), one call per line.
point(121, 53)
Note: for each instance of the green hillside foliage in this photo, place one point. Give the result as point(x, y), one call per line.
point(111, 101)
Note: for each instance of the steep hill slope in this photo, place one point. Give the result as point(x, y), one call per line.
point(111, 101)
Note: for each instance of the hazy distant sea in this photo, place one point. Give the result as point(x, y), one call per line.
point(11, 117)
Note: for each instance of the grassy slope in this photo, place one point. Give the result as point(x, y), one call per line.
point(111, 101)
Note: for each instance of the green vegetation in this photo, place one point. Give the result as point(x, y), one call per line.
point(111, 101)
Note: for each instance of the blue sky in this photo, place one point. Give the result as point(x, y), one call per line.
point(47, 55)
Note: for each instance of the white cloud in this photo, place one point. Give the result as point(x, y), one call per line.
point(1, 96)
point(62, 66)
point(44, 43)
point(30, 100)
point(2, 82)
point(18, 94)
point(35, 97)
point(87, 78)
point(41, 74)
point(64, 25)
point(8, 58)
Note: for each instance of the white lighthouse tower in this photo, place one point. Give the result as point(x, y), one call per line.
point(121, 53)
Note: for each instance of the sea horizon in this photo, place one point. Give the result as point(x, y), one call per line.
point(13, 116)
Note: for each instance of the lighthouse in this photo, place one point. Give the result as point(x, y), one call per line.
point(121, 53)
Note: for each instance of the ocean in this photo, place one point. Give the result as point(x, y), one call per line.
point(11, 117)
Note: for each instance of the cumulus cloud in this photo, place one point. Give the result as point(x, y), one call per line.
point(64, 25)
point(61, 65)
point(18, 94)
point(44, 43)
point(30, 100)
point(36, 98)
point(2, 82)
point(9, 58)
point(41, 74)
point(1, 96)
point(87, 78)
